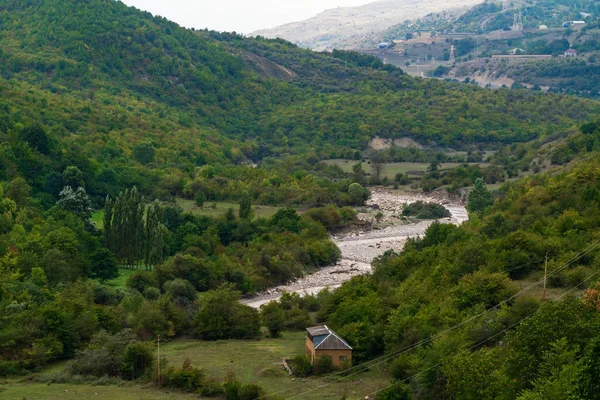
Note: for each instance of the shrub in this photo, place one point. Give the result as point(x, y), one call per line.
point(322, 365)
point(251, 392)
point(187, 379)
point(138, 360)
point(301, 366)
point(422, 210)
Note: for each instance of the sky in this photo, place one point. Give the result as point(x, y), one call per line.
point(241, 16)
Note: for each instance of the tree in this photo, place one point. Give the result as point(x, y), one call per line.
point(104, 266)
point(73, 177)
point(480, 198)
point(138, 360)
point(287, 219)
point(153, 234)
point(75, 201)
point(434, 166)
point(36, 137)
point(245, 206)
point(359, 173)
point(128, 230)
point(222, 316)
point(356, 193)
point(273, 318)
point(144, 153)
point(19, 191)
point(377, 166)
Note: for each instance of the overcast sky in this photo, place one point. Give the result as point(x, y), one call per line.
point(242, 16)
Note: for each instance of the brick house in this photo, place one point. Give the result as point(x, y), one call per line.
point(320, 340)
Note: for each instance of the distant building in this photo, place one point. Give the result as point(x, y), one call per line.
point(516, 51)
point(578, 22)
point(571, 53)
point(384, 45)
point(543, 27)
point(322, 341)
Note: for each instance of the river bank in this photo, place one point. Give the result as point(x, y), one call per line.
point(360, 248)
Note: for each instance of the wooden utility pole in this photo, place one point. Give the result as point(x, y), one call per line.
point(158, 359)
point(545, 277)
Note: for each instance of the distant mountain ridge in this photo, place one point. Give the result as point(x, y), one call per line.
point(357, 27)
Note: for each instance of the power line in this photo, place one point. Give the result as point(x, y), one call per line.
point(385, 358)
point(481, 343)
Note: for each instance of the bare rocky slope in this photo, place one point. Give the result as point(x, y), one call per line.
point(357, 27)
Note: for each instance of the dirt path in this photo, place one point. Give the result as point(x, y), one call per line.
point(360, 248)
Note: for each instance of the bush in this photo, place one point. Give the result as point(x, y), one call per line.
point(187, 379)
point(8, 368)
point(422, 210)
point(138, 360)
point(323, 365)
point(140, 280)
point(251, 392)
point(103, 356)
point(301, 366)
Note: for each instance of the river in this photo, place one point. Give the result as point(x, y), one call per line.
point(360, 248)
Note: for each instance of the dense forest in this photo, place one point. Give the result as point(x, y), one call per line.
point(107, 110)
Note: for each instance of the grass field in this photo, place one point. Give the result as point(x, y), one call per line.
point(391, 169)
point(259, 362)
point(98, 218)
point(222, 207)
point(208, 210)
point(255, 361)
point(15, 390)
point(121, 279)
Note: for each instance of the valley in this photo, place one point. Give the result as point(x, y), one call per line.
point(360, 248)
point(178, 206)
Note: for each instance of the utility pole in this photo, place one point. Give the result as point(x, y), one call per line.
point(158, 359)
point(545, 277)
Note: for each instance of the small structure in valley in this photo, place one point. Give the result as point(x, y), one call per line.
point(322, 341)
point(571, 53)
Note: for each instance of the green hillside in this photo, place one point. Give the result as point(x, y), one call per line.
point(132, 99)
point(169, 139)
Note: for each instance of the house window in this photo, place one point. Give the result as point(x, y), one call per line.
point(343, 358)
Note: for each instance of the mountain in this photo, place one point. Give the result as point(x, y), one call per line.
point(357, 27)
point(130, 99)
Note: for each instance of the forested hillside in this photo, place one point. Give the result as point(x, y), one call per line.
point(459, 312)
point(114, 87)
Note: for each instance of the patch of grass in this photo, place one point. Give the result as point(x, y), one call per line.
point(253, 361)
point(391, 169)
point(221, 208)
point(121, 279)
point(42, 391)
point(256, 361)
point(190, 206)
point(98, 219)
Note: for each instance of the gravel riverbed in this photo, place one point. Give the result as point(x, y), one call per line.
point(360, 248)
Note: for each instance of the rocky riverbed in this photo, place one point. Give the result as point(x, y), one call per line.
point(359, 248)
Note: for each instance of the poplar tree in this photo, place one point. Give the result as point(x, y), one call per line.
point(245, 206)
